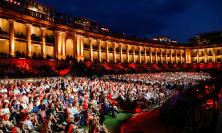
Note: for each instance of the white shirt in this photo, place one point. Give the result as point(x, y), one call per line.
point(16, 91)
point(25, 99)
point(3, 90)
point(24, 106)
point(29, 124)
point(5, 111)
point(147, 96)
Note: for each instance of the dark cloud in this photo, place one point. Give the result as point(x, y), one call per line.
point(146, 17)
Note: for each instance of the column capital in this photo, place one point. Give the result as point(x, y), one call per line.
point(60, 32)
point(107, 43)
point(91, 39)
point(121, 44)
point(114, 45)
point(28, 25)
point(78, 35)
point(43, 28)
point(99, 41)
point(63, 33)
point(11, 20)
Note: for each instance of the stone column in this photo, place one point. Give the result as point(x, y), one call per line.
point(29, 40)
point(187, 56)
point(78, 47)
point(134, 54)
point(63, 45)
point(121, 53)
point(166, 52)
point(197, 56)
point(205, 56)
point(99, 50)
point(181, 56)
point(59, 41)
point(11, 38)
point(56, 44)
point(161, 56)
point(214, 56)
point(74, 47)
point(91, 48)
point(175, 56)
point(82, 48)
point(139, 54)
point(220, 53)
point(171, 59)
point(127, 52)
point(43, 47)
point(145, 55)
point(114, 52)
point(156, 58)
point(107, 51)
point(151, 54)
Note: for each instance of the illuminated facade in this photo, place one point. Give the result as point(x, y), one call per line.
point(37, 31)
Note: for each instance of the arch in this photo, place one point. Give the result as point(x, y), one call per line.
point(70, 48)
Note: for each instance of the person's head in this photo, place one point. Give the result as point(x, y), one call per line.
point(51, 106)
point(70, 105)
point(70, 119)
point(26, 117)
point(41, 101)
point(5, 117)
point(14, 102)
point(5, 105)
point(35, 103)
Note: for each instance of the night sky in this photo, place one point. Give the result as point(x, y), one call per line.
point(178, 19)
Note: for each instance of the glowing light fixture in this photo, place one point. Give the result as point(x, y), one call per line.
point(33, 9)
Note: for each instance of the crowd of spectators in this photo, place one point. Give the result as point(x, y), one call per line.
point(71, 103)
point(169, 79)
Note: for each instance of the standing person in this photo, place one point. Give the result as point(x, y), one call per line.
point(101, 113)
point(62, 85)
point(102, 97)
point(114, 110)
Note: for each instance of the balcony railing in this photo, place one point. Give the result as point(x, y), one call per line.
point(49, 39)
point(36, 38)
point(20, 35)
point(3, 33)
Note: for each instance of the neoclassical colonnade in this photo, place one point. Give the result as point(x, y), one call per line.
point(28, 38)
point(102, 49)
point(90, 45)
point(207, 55)
point(150, 54)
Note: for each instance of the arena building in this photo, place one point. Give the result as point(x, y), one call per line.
point(28, 28)
point(60, 73)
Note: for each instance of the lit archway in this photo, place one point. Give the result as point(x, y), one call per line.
point(70, 48)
